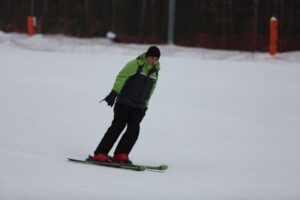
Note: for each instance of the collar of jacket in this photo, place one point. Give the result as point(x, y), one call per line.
point(143, 61)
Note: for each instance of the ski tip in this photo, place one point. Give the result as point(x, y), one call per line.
point(141, 168)
point(163, 167)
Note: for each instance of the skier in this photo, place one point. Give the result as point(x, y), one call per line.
point(132, 90)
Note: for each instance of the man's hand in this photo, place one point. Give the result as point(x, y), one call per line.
point(111, 98)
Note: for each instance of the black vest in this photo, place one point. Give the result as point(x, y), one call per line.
point(137, 88)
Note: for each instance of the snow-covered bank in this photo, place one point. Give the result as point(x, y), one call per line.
point(226, 123)
point(60, 43)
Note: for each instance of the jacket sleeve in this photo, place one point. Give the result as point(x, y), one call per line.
point(129, 70)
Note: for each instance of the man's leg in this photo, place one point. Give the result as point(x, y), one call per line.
point(132, 132)
point(121, 112)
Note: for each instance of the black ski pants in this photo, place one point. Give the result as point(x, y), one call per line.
point(123, 116)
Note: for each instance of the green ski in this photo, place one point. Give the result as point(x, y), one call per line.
point(121, 165)
point(111, 164)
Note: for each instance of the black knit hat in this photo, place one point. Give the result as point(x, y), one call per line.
point(153, 51)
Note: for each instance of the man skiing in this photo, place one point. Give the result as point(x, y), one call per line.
point(132, 90)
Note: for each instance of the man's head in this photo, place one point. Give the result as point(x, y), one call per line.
point(152, 55)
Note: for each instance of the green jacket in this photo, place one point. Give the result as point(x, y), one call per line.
point(136, 82)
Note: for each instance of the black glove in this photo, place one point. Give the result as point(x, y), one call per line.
point(110, 99)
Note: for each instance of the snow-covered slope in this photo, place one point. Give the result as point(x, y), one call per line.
point(227, 123)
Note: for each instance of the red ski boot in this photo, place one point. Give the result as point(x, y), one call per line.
point(121, 158)
point(100, 157)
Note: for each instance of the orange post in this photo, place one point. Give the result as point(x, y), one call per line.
point(31, 25)
point(273, 36)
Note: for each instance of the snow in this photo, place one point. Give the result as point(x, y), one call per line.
point(226, 122)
